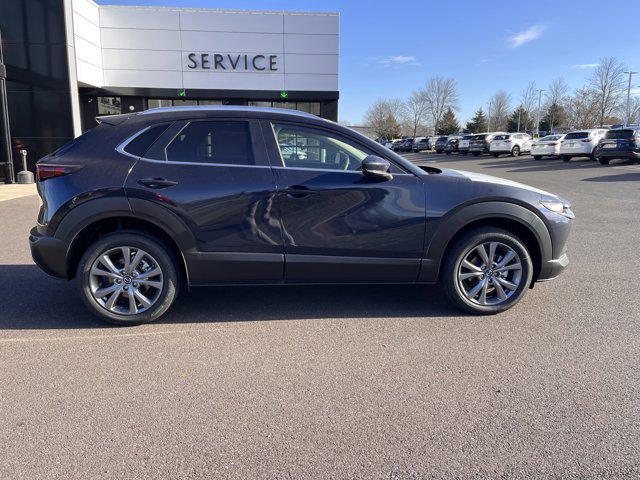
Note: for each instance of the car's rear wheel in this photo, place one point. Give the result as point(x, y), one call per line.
point(537, 157)
point(604, 161)
point(495, 155)
point(128, 278)
point(566, 158)
point(515, 151)
point(487, 271)
point(476, 154)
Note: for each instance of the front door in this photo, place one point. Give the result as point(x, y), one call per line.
point(337, 224)
point(214, 175)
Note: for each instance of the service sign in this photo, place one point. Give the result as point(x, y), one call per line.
point(239, 62)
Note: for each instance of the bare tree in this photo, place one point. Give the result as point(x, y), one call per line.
point(607, 82)
point(529, 103)
point(415, 110)
point(382, 118)
point(582, 108)
point(499, 109)
point(634, 110)
point(441, 93)
point(556, 101)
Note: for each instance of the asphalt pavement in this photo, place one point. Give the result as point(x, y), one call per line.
point(338, 382)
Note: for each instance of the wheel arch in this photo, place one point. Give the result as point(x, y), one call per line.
point(514, 218)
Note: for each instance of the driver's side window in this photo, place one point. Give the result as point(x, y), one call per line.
point(304, 147)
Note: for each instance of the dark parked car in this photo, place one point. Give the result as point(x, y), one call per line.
point(147, 203)
point(406, 145)
point(452, 145)
point(441, 142)
point(619, 143)
point(420, 144)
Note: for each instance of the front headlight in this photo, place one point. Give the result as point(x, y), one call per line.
point(556, 206)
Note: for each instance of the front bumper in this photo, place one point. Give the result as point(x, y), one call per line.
point(49, 253)
point(552, 268)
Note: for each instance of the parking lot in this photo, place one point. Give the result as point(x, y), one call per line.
point(338, 382)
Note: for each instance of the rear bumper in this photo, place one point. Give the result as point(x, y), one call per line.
point(613, 153)
point(49, 253)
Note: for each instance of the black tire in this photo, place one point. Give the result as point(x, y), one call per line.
point(537, 157)
point(566, 158)
point(460, 248)
point(604, 161)
point(476, 154)
point(495, 155)
point(438, 151)
point(448, 153)
point(515, 151)
point(464, 153)
point(137, 239)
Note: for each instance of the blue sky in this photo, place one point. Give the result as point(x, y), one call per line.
point(388, 49)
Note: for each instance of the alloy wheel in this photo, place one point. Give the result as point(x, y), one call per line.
point(125, 280)
point(489, 273)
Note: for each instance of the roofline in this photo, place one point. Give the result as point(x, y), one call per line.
point(230, 108)
point(216, 10)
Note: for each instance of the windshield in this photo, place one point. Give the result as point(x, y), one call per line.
point(576, 135)
point(619, 134)
point(479, 137)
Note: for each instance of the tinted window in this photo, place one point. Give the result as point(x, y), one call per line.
point(304, 147)
point(224, 142)
point(139, 145)
point(502, 137)
point(576, 135)
point(619, 134)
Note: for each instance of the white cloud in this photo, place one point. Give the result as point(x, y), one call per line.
point(396, 60)
point(585, 65)
point(527, 35)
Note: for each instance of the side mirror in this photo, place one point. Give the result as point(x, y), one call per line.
point(373, 166)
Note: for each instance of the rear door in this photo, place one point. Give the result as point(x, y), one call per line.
point(337, 224)
point(215, 176)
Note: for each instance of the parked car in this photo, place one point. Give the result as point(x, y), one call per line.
point(480, 142)
point(619, 143)
point(432, 142)
point(581, 143)
point(441, 142)
point(548, 146)
point(395, 145)
point(463, 144)
point(512, 143)
point(147, 202)
point(389, 143)
point(452, 144)
point(406, 145)
point(420, 144)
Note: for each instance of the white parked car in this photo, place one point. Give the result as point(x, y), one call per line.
point(511, 143)
point(581, 143)
point(548, 146)
point(390, 143)
point(463, 144)
point(480, 143)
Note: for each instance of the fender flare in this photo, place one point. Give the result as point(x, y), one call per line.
point(449, 226)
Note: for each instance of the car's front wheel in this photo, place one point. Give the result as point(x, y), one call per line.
point(487, 271)
point(537, 157)
point(128, 278)
point(604, 161)
point(515, 151)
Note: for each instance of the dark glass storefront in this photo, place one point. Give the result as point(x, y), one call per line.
point(38, 86)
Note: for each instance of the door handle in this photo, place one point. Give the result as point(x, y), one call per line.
point(157, 182)
point(298, 191)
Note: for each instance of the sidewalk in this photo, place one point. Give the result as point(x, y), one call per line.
point(14, 190)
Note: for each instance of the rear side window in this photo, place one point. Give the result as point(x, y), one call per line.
point(139, 145)
point(576, 135)
point(619, 134)
point(215, 141)
point(502, 137)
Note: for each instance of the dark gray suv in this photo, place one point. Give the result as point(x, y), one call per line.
point(147, 203)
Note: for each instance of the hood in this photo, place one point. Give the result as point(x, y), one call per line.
point(489, 179)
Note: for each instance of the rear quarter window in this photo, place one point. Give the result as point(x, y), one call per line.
point(618, 134)
point(141, 143)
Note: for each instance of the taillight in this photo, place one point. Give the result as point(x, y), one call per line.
point(47, 171)
point(586, 140)
point(552, 144)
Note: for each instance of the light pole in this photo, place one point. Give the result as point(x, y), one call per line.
point(630, 73)
point(538, 114)
point(5, 130)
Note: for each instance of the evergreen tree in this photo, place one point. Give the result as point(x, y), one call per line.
point(554, 118)
point(519, 120)
point(478, 123)
point(449, 123)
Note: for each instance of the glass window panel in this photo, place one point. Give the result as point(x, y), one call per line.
point(253, 103)
point(184, 103)
point(157, 103)
point(224, 142)
point(139, 145)
point(209, 102)
point(109, 106)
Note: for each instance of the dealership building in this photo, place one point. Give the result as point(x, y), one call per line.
point(68, 61)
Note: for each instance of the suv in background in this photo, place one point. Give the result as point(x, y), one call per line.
point(619, 143)
point(441, 142)
point(463, 144)
point(452, 144)
point(581, 143)
point(511, 143)
point(147, 203)
point(406, 145)
point(420, 144)
point(480, 142)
